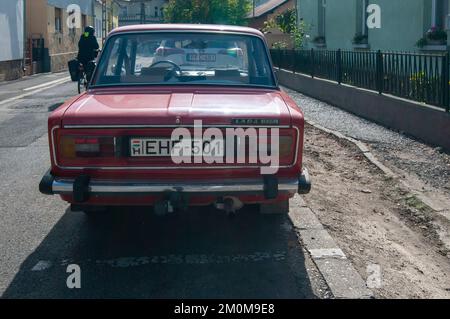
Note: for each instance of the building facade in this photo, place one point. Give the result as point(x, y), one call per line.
point(266, 10)
point(341, 24)
point(111, 16)
point(141, 11)
point(12, 25)
point(52, 43)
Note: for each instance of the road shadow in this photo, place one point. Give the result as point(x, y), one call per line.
point(202, 253)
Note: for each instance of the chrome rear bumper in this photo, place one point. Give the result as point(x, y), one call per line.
point(267, 185)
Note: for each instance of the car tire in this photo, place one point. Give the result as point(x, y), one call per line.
point(277, 208)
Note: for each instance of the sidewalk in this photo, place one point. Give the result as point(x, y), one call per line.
point(424, 169)
point(9, 89)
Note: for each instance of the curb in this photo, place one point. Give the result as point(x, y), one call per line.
point(338, 272)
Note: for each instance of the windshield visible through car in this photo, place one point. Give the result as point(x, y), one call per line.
point(184, 58)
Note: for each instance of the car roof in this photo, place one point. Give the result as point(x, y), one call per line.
point(188, 27)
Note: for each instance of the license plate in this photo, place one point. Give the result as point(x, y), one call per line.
point(201, 57)
point(164, 147)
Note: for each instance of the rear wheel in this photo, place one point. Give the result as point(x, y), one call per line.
point(82, 83)
point(277, 208)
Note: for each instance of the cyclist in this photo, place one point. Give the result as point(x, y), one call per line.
point(87, 49)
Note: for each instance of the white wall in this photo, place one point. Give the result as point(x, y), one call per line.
point(11, 30)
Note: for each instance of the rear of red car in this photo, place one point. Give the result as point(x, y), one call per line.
point(173, 134)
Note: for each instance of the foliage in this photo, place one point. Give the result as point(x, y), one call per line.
point(280, 45)
point(286, 22)
point(433, 34)
point(232, 12)
point(436, 34)
point(422, 42)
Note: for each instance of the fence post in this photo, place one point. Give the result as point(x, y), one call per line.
point(293, 61)
point(312, 63)
point(445, 82)
point(380, 71)
point(279, 59)
point(339, 65)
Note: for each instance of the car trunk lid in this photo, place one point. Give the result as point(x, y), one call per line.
point(160, 107)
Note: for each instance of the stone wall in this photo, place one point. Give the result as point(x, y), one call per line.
point(10, 70)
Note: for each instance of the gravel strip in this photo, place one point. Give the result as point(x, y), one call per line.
point(408, 156)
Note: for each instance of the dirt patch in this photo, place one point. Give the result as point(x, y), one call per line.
point(376, 220)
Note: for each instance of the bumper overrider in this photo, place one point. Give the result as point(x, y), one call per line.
point(83, 186)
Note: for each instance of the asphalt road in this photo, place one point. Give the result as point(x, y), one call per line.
point(129, 253)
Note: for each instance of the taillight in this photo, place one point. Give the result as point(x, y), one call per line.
point(80, 146)
point(286, 145)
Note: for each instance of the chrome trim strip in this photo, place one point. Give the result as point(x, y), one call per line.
point(249, 34)
point(109, 187)
point(112, 168)
point(52, 136)
point(134, 126)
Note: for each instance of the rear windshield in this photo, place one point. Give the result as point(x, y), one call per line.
point(184, 58)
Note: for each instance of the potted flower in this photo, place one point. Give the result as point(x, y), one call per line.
point(319, 41)
point(434, 39)
point(436, 36)
point(360, 41)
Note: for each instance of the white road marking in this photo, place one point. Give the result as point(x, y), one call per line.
point(42, 265)
point(18, 97)
point(193, 259)
point(47, 84)
point(173, 259)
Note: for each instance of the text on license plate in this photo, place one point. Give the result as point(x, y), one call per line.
point(201, 57)
point(159, 147)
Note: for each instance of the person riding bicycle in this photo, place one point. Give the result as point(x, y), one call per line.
point(87, 49)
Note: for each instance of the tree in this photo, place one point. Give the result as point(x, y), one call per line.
point(286, 22)
point(232, 12)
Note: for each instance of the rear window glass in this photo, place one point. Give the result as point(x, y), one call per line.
point(184, 58)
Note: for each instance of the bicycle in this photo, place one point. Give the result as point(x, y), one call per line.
point(82, 79)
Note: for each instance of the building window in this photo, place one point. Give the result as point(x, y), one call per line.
point(361, 31)
point(322, 17)
point(83, 22)
point(439, 13)
point(58, 20)
point(156, 11)
point(98, 28)
point(363, 28)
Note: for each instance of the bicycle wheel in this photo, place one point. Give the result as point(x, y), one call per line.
point(82, 83)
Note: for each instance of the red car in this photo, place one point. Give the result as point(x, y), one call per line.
point(201, 121)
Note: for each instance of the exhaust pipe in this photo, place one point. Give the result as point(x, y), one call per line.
point(230, 205)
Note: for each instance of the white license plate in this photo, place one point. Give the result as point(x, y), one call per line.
point(163, 147)
point(201, 57)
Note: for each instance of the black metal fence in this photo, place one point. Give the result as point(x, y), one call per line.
point(419, 77)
